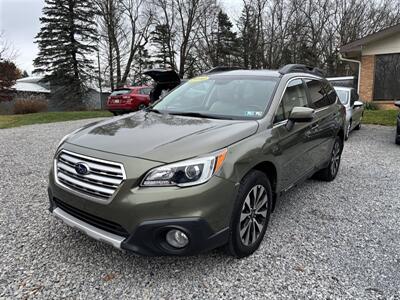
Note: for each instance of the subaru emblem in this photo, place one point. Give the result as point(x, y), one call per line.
point(82, 168)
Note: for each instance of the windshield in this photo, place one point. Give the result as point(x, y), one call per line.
point(120, 92)
point(343, 96)
point(232, 97)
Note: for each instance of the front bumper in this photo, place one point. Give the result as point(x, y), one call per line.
point(149, 236)
point(137, 219)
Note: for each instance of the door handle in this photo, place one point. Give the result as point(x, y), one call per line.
point(314, 126)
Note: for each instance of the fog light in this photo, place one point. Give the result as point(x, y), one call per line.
point(177, 238)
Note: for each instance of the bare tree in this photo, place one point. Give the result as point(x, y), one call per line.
point(125, 26)
point(7, 50)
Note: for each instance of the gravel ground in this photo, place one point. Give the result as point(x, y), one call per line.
point(325, 240)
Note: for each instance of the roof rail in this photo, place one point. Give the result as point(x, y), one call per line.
point(219, 69)
point(299, 68)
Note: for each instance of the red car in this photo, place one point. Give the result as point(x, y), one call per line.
point(127, 99)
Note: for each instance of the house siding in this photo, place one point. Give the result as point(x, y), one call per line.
point(385, 46)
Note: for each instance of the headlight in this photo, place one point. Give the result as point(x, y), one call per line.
point(186, 173)
point(67, 136)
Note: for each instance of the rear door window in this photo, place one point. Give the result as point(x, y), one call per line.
point(145, 91)
point(121, 92)
point(321, 95)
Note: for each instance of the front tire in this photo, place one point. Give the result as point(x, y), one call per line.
point(141, 107)
point(329, 173)
point(250, 215)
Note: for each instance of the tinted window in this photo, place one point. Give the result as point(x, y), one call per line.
point(294, 96)
point(354, 97)
point(387, 77)
point(145, 91)
point(230, 96)
point(330, 91)
point(321, 94)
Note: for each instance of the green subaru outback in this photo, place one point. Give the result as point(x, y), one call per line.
point(204, 166)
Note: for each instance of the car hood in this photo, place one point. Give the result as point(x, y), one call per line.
point(162, 137)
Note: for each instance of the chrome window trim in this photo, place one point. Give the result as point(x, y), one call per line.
point(82, 195)
point(88, 229)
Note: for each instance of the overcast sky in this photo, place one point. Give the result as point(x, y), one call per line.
point(19, 21)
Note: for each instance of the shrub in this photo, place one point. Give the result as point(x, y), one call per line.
point(371, 106)
point(30, 105)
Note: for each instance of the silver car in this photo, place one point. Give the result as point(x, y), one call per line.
point(354, 108)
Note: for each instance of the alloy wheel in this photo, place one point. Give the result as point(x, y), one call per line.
point(253, 215)
point(335, 160)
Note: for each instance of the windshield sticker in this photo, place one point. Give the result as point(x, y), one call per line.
point(199, 79)
point(253, 113)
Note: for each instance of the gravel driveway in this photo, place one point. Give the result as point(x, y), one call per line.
point(325, 240)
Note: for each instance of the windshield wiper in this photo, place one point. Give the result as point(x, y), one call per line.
point(199, 115)
point(149, 109)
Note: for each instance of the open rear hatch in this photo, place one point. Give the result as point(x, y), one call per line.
point(166, 80)
point(165, 77)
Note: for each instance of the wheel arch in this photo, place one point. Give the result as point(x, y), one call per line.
point(341, 135)
point(270, 170)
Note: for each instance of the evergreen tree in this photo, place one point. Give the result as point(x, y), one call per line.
point(161, 42)
point(66, 40)
point(141, 63)
point(24, 74)
point(225, 41)
point(248, 37)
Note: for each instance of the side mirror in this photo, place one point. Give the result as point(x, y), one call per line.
point(300, 115)
point(358, 104)
point(397, 103)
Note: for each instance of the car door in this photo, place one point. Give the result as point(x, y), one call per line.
point(292, 149)
point(322, 98)
point(356, 111)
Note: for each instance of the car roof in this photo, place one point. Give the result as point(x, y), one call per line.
point(267, 73)
point(132, 87)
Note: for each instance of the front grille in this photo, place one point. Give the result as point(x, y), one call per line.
point(92, 220)
point(101, 181)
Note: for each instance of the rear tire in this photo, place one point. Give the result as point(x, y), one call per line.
point(329, 173)
point(250, 215)
point(358, 127)
point(398, 140)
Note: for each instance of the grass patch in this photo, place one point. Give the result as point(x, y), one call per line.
point(8, 121)
point(380, 117)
